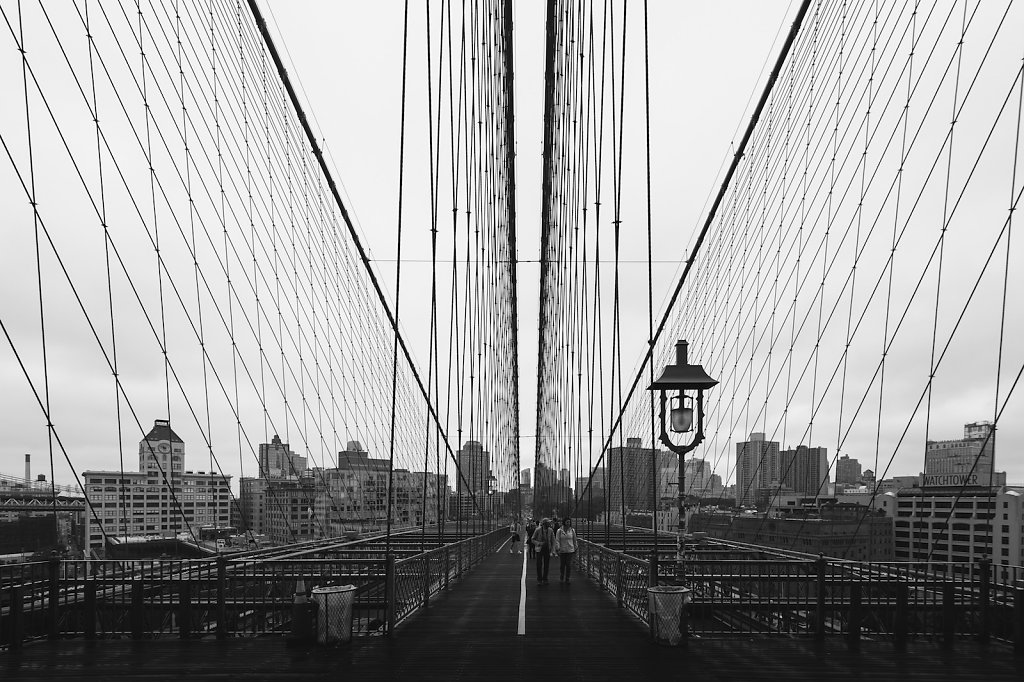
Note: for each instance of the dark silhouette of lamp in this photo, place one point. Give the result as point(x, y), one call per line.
point(682, 377)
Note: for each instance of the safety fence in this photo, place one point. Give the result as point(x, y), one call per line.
point(931, 601)
point(624, 576)
point(192, 598)
point(417, 578)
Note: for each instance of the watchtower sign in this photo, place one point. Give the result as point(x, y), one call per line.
point(945, 480)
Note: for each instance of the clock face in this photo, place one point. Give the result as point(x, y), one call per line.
point(164, 447)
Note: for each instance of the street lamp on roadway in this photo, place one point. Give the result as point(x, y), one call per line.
point(683, 378)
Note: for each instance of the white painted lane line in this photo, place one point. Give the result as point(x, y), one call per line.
point(522, 600)
point(503, 545)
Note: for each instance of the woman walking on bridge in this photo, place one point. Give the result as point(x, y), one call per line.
point(565, 545)
point(516, 529)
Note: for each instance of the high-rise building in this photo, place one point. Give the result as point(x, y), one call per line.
point(564, 477)
point(961, 525)
point(290, 510)
point(419, 498)
point(280, 508)
point(276, 503)
point(631, 471)
point(354, 495)
point(804, 470)
point(847, 470)
point(839, 531)
point(524, 478)
point(757, 468)
point(475, 468)
point(701, 481)
point(596, 483)
point(965, 461)
point(161, 499)
point(278, 461)
point(252, 504)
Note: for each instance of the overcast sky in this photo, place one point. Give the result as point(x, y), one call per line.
point(708, 63)
point(707, 60)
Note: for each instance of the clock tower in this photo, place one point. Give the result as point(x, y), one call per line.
point(162, 450)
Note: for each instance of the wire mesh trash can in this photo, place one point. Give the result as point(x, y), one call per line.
point(665, 605)
point(334, 606)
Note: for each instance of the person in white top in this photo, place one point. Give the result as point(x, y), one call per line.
point(516, 529)
point(565, 545)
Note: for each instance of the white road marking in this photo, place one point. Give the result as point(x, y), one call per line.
point(503, 545)
point(522, 600)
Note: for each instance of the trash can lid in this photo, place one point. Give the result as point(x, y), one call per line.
point(333, 588)
point(665, 589)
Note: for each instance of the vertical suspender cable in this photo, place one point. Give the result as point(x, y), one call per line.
point(650, 281)
point(398, 280)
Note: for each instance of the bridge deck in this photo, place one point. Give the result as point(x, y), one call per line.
point(572, 632)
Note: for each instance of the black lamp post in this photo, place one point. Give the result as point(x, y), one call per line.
point(682, 377)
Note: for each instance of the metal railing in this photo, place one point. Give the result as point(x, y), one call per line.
point(190, 598)
point(941, 602)
point(624, 576)
point(897, 601)
point(417, 578)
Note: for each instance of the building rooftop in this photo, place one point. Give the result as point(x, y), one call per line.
point(162, 431)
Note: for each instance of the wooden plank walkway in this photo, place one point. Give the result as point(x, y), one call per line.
point(573, 632)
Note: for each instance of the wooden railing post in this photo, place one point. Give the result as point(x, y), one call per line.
point(684, 624)
point(854, 616)
point(819, 612)
point(426, 580)
point(899, 630)
point(138, 610)
point(90, 609)
point(1018, 620)
point(447, 566)
point(984, 595)
point(948, 614)
point(222, 609)
point(618, 580)
point(184, 610)
point(389, 594)
point(16, 614)
point(53, 598)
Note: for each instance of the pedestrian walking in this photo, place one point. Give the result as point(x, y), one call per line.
point(544, 545)
point(565, 545)
point(531, 527)
point(516, 529)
